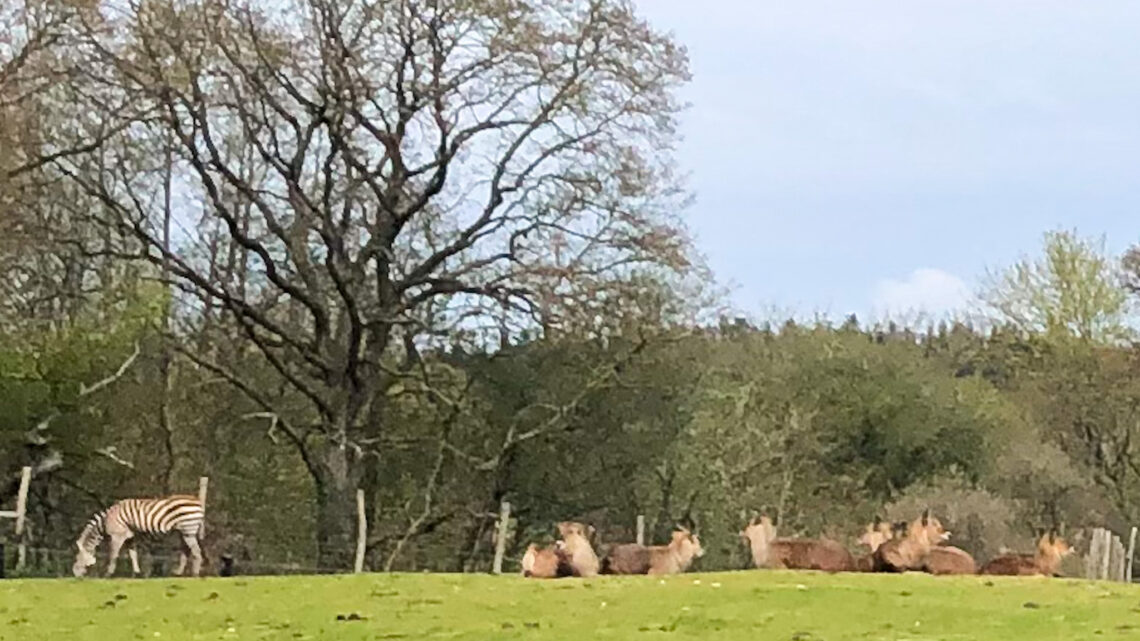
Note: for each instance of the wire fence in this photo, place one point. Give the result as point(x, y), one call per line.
point(1109, 560)
point(51, 562)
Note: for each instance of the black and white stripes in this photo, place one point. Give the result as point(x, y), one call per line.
point(128, 519)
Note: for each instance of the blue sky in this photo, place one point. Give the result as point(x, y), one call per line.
point(866, 155)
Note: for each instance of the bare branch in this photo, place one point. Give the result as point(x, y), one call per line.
point(85, 390)
point(110, 452)
point(273, 419)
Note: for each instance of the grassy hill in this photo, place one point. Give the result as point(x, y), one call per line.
point(768, 606)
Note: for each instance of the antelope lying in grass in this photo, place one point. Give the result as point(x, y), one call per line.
point(877, 533)
point(546, 563)
point(793, 554)
point(571, 556)
point(947, 559)
point(675, 558)
point(909, 550)
point(1051, 550)
point(941, 559)
point(576, 544)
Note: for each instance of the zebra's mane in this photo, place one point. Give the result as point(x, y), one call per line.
point(94, 531)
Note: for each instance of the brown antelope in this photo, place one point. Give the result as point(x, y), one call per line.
point(947, 559)
point(675, 558)
point(941, 559)
point(1051, 549)
point(546, 563)
point(877, 533)
point(576, 546)
point(793, 554)
point(909, 551)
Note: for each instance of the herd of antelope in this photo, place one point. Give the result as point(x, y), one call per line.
point(916, 546)
point(573, 555)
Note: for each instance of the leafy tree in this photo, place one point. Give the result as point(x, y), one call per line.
point(1083, 398)
point(420, 168)
point(1073, 289)
point(70, 411)
point(1076, 392)
point(822, 427)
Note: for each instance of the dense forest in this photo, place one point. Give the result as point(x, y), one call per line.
point(434, 250)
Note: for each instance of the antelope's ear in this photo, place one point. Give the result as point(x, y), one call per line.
point(1052, 537)
point(877, 522)
point(926, 516)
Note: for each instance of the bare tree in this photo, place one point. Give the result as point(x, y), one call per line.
point(37, 61)
point(422, 166)
point(48, 278)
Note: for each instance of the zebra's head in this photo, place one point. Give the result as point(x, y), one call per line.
point(83, 560)
point(85, 546)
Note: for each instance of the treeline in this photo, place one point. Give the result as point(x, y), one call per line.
point(1000, 432)
point(432, 250)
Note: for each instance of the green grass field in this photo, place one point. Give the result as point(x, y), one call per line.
point(757, 606)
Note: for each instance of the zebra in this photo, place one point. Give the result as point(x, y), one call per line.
point(127, 519)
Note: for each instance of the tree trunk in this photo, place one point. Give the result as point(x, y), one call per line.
point(167, 356)
point(370, 466)
point(338, 476)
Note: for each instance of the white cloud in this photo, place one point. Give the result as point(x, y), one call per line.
point(927, 290)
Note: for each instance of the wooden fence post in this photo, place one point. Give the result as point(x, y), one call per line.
point(1111, 554)
point(501, 543)
point(1096, 553)
point(203, 485)
point(1105, 547)
point(361, 532)
point(641, 529)
point(1131, 551)
point(1088, 558)
point(1097, 542)
point(21, 515)
point(1121, 561)
point(1116, 560)
point(1092, 560)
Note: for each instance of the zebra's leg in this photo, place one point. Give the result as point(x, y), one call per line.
point(117, 541)
point(183, 556)
point(195, 555)
point(133, 552)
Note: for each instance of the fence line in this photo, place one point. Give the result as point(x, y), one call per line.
point(55, 561)
point(203, 485)
point(1107, 558)
point(20, 515)
point(1131, 553)
point(501, 537)
point(361, 533)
